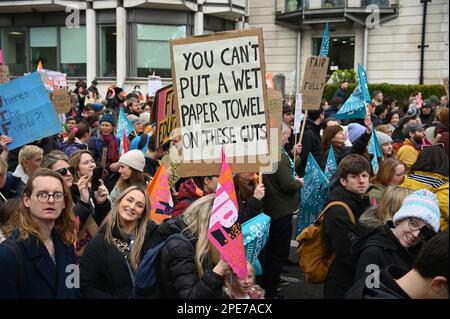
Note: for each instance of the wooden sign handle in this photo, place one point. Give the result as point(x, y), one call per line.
point(301, 134)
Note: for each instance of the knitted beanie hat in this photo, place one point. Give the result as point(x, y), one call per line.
point(355, 130)
point(383, 138)
point(134, 159)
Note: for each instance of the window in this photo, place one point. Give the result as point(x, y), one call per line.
point(13, 47)
point(43, 47)
point(341, 53)
point(153, 48)
point(73, 51)
point(333, 3)
point(108, 60)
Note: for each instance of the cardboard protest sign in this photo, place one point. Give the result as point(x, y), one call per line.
point(4, 74)
point(255, 233)
point(160, 197)
point(224, 229)
point(314, 81)
point(164, 114)
point(26, 112)
point(299, 116)
point(275, 108)
point(61, 100)
point(88, 232)
point(154, 84)
point(219, 81)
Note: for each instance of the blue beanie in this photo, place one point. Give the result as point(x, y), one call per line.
point(355, 130)
point(421, 204)
point(108, 118)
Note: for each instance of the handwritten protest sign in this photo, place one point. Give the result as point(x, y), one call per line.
point(60, 81)
point(154, 84)
point(255, 233)
point(224, 229)
point(26, 112)
point(161, 202)
point(88, 232)
point(219, 81)
point(61, 101)
point(164, 114)
point(314, 82)
point(4, 74)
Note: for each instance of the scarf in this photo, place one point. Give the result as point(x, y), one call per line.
point(113, 147)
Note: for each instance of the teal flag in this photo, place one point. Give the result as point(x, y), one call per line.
point(255, 233)
point(331, 166)
point(313, 194)
point(374, 149)
point(362, 75)
point(324, 48)
point(354, 107)
point(123, 123)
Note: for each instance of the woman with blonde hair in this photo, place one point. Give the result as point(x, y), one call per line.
point(40, 245)
point(112, 256)
point(391, 172)
point(390, 202)
point(190, 266)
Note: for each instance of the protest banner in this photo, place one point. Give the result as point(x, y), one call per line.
point(123, 124)
point(374, 149)
point(1, 57)
point(88, 232)
point(26, 112)
point(4, 74)
point(61, 100)
point(164, 114)
point(154, 84)
point(219, 81)
point(60, 81)
point(275, 108)
point(124, 145)
point(224, 231)
point(354, 107)
point(161, 202)
point(255, 233)
point(325, 46)
point(362, 78)
point(314, 82)
point(313, 194)
point(331, 166)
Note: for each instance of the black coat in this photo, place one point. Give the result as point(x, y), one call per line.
point(310, 144)
point(380, 247)
point(40, 277)
point(388, 287)
point(177, 274)
point(83, 210)
point(103, 269)
point(340, 233)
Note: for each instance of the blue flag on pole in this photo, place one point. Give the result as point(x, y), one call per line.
point(313, 194)
point(255, 233)
point(362, 75)
point(374, 149)
point(324, 48)
point(331, 166)
point(354, 107)
point(27, 114)
point(123, 123)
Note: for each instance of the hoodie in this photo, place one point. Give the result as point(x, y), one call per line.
point(381, 247)
point(186, 195)
point(177, 272)
point(388, 287)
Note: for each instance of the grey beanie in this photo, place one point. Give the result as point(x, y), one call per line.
point(134, 159)
point(383, 138)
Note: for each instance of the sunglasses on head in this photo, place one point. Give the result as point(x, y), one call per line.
point(63, 171)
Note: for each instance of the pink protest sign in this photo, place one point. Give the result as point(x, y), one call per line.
point(1, 57)
point(224, 229)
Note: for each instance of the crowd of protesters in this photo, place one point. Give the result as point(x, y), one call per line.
point(52, 187)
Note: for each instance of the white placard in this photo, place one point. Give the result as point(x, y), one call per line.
point(299, 116)
point(154, 84)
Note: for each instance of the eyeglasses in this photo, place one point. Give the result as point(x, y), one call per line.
point(426, 232)
point(63, 171)
point(44, 197)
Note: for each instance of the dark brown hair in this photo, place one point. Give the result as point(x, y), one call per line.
point(353, 164)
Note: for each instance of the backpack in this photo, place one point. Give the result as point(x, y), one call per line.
point(145, 281)
point(315, 259)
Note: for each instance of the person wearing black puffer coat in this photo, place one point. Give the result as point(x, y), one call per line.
point(339, 231)
point(190, 267)
point(111, 258)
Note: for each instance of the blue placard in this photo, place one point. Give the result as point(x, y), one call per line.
point(26, 112)
point(255, 233)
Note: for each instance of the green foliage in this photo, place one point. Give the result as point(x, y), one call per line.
point(398, 92)
point(339, 76)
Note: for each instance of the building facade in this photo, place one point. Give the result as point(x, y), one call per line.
point(385, 36)
point(124, 41)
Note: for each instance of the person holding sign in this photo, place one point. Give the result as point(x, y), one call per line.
point(190, 266)
point(281, 200)
point(111, 258)
point(41, 232)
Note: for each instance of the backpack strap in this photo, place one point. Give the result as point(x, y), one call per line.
point(14, 246)
point(350, 215)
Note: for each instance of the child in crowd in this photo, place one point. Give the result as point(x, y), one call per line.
point(243, 289)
